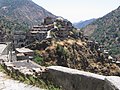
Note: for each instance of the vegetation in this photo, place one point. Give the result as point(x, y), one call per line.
point(61, 51)
point(61, 55)
point(38, 59)
point(29, 79)
point(19, 11)
point(77, 54)
point(8, 25)
point(1, 69)
point(107, 32)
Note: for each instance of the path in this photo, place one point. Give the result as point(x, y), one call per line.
point(8, 84)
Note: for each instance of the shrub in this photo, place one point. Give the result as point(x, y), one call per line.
point(38, 59)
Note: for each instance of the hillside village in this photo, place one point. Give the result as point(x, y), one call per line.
point(60, 27)
point(51, 36)
point(47, 51)
point(53, 42)
point(13, 44)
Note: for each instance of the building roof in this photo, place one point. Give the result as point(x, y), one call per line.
point(37, 32)
point(20, 54)
point(24, 50)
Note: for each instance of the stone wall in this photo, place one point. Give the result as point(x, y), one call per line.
point(71, 79)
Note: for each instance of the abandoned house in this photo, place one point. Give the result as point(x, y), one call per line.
point(48, 21)
point(43, 31)
point(24, 53)
point(39, 32)
point(64, 27)
point(19, 39)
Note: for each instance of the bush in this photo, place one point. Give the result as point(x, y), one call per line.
point(60, 51)
point(38, 59)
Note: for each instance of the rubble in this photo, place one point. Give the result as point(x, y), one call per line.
point(25, 67)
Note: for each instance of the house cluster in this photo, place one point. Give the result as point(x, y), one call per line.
point(59, 26)
point(20, 58)
point(16, 50)
point(19, 61)
point(63, 27)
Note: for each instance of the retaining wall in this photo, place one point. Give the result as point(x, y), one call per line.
point(71, 79)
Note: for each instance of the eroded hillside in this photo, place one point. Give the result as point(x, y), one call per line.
point(75, 53)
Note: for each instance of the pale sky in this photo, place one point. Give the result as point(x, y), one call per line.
point(77, 10)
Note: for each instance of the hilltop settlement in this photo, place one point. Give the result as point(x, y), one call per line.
point(13, 45)
point(54, 42)
point(25, 55)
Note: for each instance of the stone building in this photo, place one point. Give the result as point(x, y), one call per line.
point(38, 33)
point(62, 32)
point(60, 26)
point(19, 39)
point(48, 21)
point(24, 53)
point(64, 27)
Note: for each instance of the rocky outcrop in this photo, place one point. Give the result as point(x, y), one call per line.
point(76, 54)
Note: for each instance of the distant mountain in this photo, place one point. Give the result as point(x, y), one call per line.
point(106, 31)
point(23, 12)
point(82, 24)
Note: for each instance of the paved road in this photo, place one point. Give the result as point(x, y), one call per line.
point(9, 84)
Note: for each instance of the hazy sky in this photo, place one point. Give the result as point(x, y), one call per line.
point(77, 10)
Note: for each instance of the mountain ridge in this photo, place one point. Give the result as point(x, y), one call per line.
point(83, 24)
point(106, 30)
point(23, 11)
